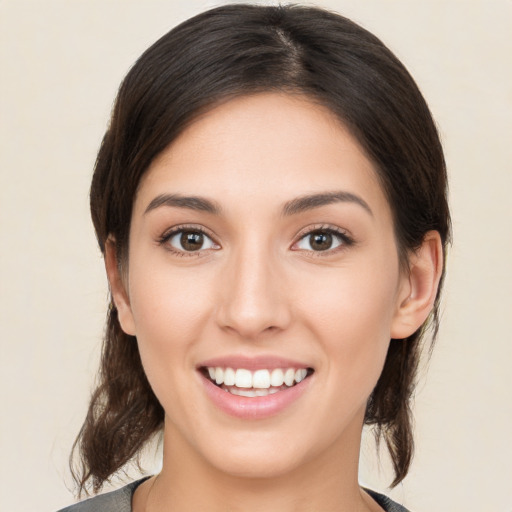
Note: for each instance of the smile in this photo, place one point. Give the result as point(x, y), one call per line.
point(252, 388)
point(262, 382)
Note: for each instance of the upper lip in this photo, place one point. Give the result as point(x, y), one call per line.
point(252, 363)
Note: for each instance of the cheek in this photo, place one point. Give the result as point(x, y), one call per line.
point(350, 312)
point(169, 309)
point(351, 299)
point(167, 302)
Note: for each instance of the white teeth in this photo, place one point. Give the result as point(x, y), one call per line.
point(259, 380)
point(253, 392)
point(289, 376)
point(300, 375)
point(243, 378)
point(277, 377)
point(229, 377)
point(243, 392)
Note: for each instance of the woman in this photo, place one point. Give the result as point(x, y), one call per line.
point(270, 199)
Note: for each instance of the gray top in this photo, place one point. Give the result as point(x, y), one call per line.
point(115, 501)
point(121, 501)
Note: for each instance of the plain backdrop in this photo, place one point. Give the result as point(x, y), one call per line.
point(60, 65)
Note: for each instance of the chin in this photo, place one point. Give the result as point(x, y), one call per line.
point(261, 455)
point(253, 465)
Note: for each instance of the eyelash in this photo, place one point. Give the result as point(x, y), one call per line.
point(168, 235)
point(345, 239)
point(341, 235)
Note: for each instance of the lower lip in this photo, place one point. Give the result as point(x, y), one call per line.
point(257, 407)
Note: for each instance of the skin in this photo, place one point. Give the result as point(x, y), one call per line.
point(259, 288)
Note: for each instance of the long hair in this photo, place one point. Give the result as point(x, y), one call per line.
point(243, 49)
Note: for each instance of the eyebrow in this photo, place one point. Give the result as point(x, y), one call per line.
point(308, 202)
point(293, 207)
point(191, 202)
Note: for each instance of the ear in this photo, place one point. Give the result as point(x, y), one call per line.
point(419, 288)
point(118, 289)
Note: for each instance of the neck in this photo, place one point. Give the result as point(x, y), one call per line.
point(188, 482)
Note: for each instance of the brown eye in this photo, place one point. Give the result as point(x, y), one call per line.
point(190, 241)
point(322, 240)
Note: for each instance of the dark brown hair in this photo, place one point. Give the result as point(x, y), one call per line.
point(244, 49)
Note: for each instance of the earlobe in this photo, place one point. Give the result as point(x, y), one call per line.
point(118, 289)
point(420, 289)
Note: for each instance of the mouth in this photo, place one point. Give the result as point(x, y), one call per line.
point(255, 383)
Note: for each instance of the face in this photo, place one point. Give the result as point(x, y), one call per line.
point(262, 263)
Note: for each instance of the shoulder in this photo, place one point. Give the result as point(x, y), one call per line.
point(386, 503)
point(115, 501)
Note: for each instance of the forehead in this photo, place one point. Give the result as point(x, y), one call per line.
point(274, 146)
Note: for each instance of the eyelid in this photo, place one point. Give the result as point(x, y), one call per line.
point(172, 231)
point(346, 237)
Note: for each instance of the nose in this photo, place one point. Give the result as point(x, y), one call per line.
point(253, 298)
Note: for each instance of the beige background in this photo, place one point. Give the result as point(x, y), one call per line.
point(60, 65)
